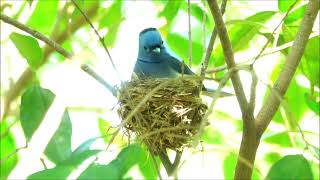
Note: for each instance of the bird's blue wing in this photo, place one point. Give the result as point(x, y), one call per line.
point(177, 65)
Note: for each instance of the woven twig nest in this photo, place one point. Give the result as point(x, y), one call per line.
point(170, 115)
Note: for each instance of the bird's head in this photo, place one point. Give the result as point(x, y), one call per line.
point(150, 44)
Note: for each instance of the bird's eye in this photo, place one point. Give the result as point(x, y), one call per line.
point(161, 42)
point(145, 48)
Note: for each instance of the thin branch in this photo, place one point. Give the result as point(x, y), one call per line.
point(93, 74)
point(189, 35)
point(97, 33)
point(211, 44)
point(254, 82)
point(269, 52)
point(28, 74)
point(292, 61)
point(229, 57)
point(13, 153)
point(275, 29)
point(36, 34)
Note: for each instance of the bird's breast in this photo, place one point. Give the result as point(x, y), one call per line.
point(155, 70)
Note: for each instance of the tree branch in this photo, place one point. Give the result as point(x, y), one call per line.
point(36, 34)
point(211, 44)
point(292, 61)
point(28, 74)
point(248, 119)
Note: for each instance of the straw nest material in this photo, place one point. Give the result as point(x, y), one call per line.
point(170, 111)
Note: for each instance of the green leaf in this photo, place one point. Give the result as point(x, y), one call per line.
point(212, 136)
point(63, 169)
point(44, 16)
point(95, 171)
point(112, 20)
point(169, 12)
point(310, 65)
point(7, 146)
point(282, 139)
point(28, 48)
point(59, 172)
point(229, 164)
point(295, 15)
point(84, 146)
point(312, 104)
point(242, 34)
point(272, 157)
point(284, 5)
point(181, 48)
point(291, 167)
point(35, 102)
point(59, 147)
point(146, 165)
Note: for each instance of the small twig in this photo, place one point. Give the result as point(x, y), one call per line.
point(93, 74)
point(97, 33)
point(275, 29)
point(269, 52)
point(211, 44)
point(6, 132)
point(215, 96)
point(189, 35)
point(43, 163)
point(229, 58)
point(36, 34)
point(13, 153)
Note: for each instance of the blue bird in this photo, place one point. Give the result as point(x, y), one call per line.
point(156, 62)
point(153, 58)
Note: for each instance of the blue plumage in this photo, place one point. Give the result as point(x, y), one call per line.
point(153, 58)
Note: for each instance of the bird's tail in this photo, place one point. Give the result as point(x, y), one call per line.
point(209, 92)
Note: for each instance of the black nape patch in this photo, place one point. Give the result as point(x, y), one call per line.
point(146, 30)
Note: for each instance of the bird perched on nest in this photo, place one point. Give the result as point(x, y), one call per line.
point(155, 61)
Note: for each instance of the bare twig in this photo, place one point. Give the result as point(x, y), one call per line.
point(189, 35)
point(28, 74)
point(36, 34)
point(270, 107)
point(13, 153)
point(229, 57)
point(97, 33)
point(269, 52)
point(275, 29)
point(211, 44)
point(93, 74)
point(254, 82)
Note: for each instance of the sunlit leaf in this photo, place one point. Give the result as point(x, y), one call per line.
point(242, 34)
point(272, 157)
point(35, 102)
point(295, 15)
point(229, 164)
point(312, 104)
point(212, 136)
point(7, 146)
point(284, 5)
point(59, 147)
point(282, 139)
point(28, 48)
point(96, 171)
point(310, 65)
point(181, 48)
point(291, 167)
point(63, 169)
point(44, 16)
point(169, 12)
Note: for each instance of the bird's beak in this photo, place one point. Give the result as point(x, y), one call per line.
point(156, 50)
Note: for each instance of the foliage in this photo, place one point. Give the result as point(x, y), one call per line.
point(292, 128)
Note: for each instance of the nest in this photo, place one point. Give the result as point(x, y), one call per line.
point(170, 113)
